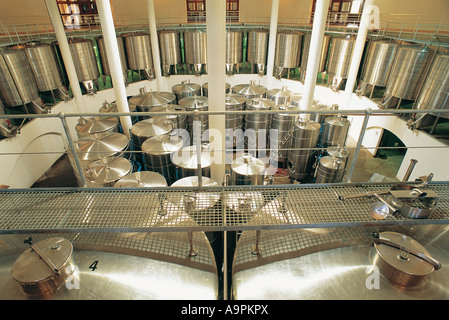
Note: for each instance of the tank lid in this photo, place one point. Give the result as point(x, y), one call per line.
point(195, 102)
point(248, 165)
point(107, 170)
point(338, 152)
point(185, 86)
point(95, 125)
point(99, 145)
point(187, 157)
point(152, 127)
point(193, 182)
point(331, 162)
point(150, 99)
point(235, 99)
point(145, 179)
point(169, 109)
point(282, 92)
point(307, 125)
point(260, 103)
point(249, 89)
point(160, 145)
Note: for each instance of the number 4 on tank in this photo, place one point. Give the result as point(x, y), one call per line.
point(93, 266)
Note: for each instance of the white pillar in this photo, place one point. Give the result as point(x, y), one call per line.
point(216, 75)
point(61, 37)
point(359, 46)
point(110, 42)
point(316, 45)
point(272, 38)
point(154, 42)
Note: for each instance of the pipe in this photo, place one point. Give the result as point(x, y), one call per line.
point(272, 37)
point(154, 42)
point(409, 169)
point(359, 46)
point(216, 78)
point(58, 27)
point(113, 55)
point(316, 44)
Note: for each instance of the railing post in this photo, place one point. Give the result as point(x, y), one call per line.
point(359, 142)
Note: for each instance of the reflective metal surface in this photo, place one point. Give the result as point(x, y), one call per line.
point(199, 103)
point(233, 122)
point(179, 121)
point(195, 46)
point(138, 52)
point(186, 161)
point(86, 126)
point(126, 266)
point(251, 90)
point(100, 145)
point(281, 123)
point(340, 56)
point(186, 89)
point(107, 171)
point(83, 56)
point(146, 101)
point(104, 56)
point(170, 48)
point(335, 131)
point(234, 50)
point(305, 54)
point(247, 170)
point(288, 49)
point(329, 170)
point(334, 264)
point(280, 96)
point(148, 128)
point(141, 179)
point(257, 48)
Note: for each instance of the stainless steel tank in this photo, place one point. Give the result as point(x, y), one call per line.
point(257, 126)
point(288, 52)
point(247, 170)
point(148, 128)
point(107, 171)
point(434, 93)
point(170, 48)
point(45, 67)
point(339, 61)
point(329, 170)
point(280, 131)
point(142, 179)
point(146, 101)
point(195, 46)
point(186, 161)
point(83, 56)
point(257, 49)
point(108, 107)
point(138, 53)
point(305, 54)
point(234, 50)
point(205, 88)
point(17, 85)
point(280, 96)
point(302, 154)
point(179, 120)
point(156, 258)
point(234, 122)
point(201, 104)
point(104, 57)
point(87, 126)
point(157, 155)
point(186, 89)
point(377, 66)
point(250, 90)
point(335, 131)
point(407, 75)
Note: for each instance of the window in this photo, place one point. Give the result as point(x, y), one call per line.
point(342, 12)
point(196, 10)
point(78, 13)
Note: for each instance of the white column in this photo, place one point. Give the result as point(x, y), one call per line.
point(216, 75)
point(110, 42)
point(61, 37)
point(272, 38)
point(359, 46)
point(154, 42)
point(316, 44)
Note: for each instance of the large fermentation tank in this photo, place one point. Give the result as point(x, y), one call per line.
point(280, 96)
point(148, 128)
point(195, 46)
point(104, 57)
point(157, 155)
point(247, 170)
point(251, 90)
point(186, 89)
point(407, 75)
point(18, 88)
point(179, 120)
point(45, 67)
point(186, 161)
point(234, 122)
point(302, 155)
point(305, 54)
point(335, 131)
point(201, 104)
point(170, 48)
point(83, 56)
point(139, 55)
point(329, 170)
point(377, 65)
point(257, 126)
point(339, 61)
point(205, 88)
point(288, 52)
point(146, 101)
point(280, 132)
point(234, 50)
point(434, 93)
point(257, 47)
point(338, 263)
